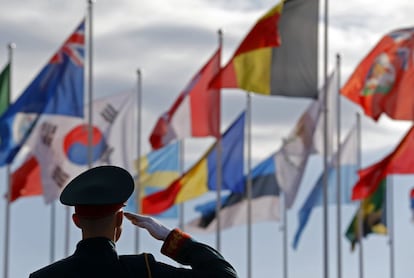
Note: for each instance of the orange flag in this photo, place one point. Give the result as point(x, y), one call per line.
point(383, 82)
point(400, 161)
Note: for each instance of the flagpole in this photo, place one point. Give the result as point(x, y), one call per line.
point(249, 187)
point(11, 46)
point(360, 220)
point(181, 205)
point(338, 168)
point(138, 187)
point(285, 239)
point(90, 85)
point(90, 119)
point(325, 154)
point(52, 230)
point(219, 166)
point(390, 222)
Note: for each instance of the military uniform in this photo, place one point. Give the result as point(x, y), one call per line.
point(97, 257)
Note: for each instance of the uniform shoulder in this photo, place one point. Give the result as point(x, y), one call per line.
point(55, 269)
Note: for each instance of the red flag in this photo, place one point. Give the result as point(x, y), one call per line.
point(196, 112)
point(400, 161)
point(383, 82)
point(26, 180)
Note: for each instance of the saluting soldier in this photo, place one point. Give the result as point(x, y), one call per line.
point(99, 195)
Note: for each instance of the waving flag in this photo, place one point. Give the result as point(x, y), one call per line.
point(59, 146)
point(203, 175)
point(4, 88)
point(265, 203)
point(56, 90)
point(400, 161)
point(331, 114)
point(373, 216)
point(279, 55)
point(159, 169)
point(383, 81)
point(348, 174)
point(293, 156)
point(26, 180)
point(196, 112)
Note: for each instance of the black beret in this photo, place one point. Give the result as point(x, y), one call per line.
point(102, 185)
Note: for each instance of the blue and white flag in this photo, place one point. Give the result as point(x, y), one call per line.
point(348, 172)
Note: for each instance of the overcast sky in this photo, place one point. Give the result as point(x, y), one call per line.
point(169, 41)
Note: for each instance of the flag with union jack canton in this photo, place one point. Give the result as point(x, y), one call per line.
point(56, 90)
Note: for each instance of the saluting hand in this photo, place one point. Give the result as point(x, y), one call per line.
point(153, 226)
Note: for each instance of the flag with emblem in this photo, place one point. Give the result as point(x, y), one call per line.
point(59, 146)
point(382, 83)
point(56, 90)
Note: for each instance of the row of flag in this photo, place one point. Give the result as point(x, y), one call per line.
point(46, 125)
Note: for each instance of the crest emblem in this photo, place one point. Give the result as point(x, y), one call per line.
point(381, 76)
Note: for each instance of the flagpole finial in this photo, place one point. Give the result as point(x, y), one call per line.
point(139, 71)
point(11, 45)
point(220, 37)
point(90, 2)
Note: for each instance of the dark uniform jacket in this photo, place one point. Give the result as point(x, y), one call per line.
point(97, 257)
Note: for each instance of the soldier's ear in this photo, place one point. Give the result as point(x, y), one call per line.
point(75, 219)
point(119, 217)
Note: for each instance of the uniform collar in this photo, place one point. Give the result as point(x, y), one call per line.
point(96, 245)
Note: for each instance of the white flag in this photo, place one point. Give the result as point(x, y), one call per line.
point(332, 111)
point(60, 143)
point(292, 157)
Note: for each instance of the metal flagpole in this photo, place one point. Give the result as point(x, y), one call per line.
point(390, 222)
point(285, 239)
point(360, 220)
point(338, 169)
point(219, 167)
point(181, 206)
point(249, 187)
point(52, 231)
point(90, 85)
point(90, 119)
point(325, 153)
point(138, 187)
point(11, 46)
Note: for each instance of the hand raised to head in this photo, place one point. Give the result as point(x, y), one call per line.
point(153, 226)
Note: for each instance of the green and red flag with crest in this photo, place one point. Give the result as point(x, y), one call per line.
point(384, 80)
